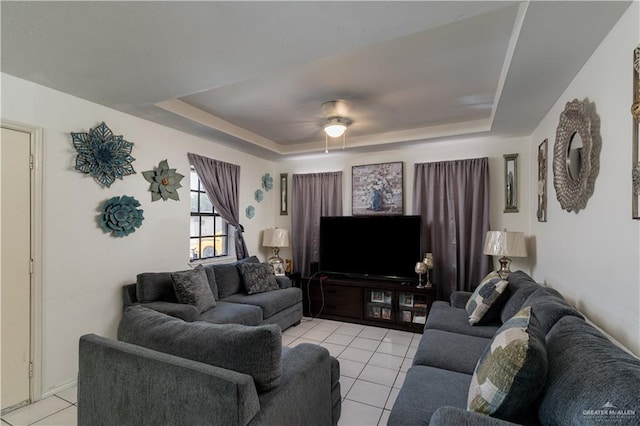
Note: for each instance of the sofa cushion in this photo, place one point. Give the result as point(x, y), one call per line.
point(192, 288)
point(228, 277)
point(425, 389)
point(155, 286)
point(257, 277)
point(590, 380)
point(520, 287)
point(485, 303)
point(512, 370)
point(211, 276)
point(251, 350)
point(226, 313)
point(270, 302)
point(444, 317)
point(549, 307)
point(442, 349)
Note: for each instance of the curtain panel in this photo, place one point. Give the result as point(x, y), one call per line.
point(452, 197)
point(221, 182)
point(312, 196)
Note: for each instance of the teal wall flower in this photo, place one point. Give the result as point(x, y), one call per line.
point(164, 182)
point(103, 155)
point(267, 182)
point(258, 195)
point(120, 216)
point(250, 211)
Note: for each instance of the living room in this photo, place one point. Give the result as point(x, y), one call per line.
point(590, 257)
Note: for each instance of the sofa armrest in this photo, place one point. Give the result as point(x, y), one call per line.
point(303, 396)
point(189, 313)
point(283, 281)
point(454, 416)
point(459, 298)
point(125, 384)
point(129, 296)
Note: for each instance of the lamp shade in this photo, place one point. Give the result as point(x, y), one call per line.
point(503, 243)
point(275, 237)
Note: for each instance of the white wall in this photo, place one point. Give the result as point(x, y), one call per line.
point(84, 268)
point(592, 257)
point(493, 148)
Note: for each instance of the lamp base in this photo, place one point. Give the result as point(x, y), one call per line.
point(504, 270)
point(275, 262)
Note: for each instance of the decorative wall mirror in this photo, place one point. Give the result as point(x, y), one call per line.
point(510, 183)
point(576, 154)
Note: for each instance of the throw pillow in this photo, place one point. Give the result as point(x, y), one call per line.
point(512, 371)
point(192, 288)
point(486, 298)
point(257, 277)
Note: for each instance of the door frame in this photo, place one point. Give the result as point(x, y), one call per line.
point(36, 198)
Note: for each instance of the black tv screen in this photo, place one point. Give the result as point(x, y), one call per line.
point(371, 246)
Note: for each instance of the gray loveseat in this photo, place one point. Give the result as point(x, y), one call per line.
point(165, 371)
point(283, 307)
point(589, 380)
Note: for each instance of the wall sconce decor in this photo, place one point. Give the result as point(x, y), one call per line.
point(284, 207)
point(542, 181)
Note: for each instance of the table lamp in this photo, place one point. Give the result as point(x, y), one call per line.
point(275, 238)
point(507, 245)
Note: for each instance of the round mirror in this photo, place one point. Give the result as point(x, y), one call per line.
point(574, 156)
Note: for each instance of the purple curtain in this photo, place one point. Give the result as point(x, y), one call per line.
point(453, 199)
point(312, 196)
point(221, 182)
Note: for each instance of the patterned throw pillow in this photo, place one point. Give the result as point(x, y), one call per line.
point(485, 296)
point(192, 288)
point(257, 277)
point(512, 371)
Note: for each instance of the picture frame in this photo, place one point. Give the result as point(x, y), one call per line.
point(510, 183)
point(377, 313)
point(377, 297)
point(543, 150)
point(278, 269)
point(405, 299)
point(406, 316)
point(386, 313)
point(377, 189)
point(284, 187)
point(635, 150)
point(388, 297)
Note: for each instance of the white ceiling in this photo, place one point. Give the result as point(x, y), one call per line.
point(254, 74)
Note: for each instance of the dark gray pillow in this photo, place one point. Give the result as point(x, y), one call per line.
point(192, 288)
point(257, 277)
point(155, 286)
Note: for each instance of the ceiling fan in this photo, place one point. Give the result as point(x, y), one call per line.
point(336, 121)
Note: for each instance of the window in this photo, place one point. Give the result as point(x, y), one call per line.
point(209, 236)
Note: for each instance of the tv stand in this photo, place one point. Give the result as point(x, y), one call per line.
point(368, 301)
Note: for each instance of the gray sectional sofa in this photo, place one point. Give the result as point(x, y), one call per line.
point(283, 307)
point(589, 380)
point(165, 371)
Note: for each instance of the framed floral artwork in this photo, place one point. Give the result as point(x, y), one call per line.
point(377, 189)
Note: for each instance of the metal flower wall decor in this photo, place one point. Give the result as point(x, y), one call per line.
point(120, 216)
point(164, 182)
point(267, 182)
point(103, 155)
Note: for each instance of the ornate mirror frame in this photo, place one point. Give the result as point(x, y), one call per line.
point(577, 118)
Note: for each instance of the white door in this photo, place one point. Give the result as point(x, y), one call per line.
point(15, 278)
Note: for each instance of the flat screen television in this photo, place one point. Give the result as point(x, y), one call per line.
point(371, 246)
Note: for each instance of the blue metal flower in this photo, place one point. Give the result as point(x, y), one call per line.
point(103, 155)
point(164, 182)
point(258, 195)
point(120, 216)
point(267, 182)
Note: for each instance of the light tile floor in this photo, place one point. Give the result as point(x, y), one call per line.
point(373, 365)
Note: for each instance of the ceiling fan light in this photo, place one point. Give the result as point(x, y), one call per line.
point(335, 127)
